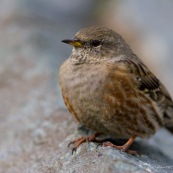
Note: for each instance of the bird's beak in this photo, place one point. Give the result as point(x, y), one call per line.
point(74, 42)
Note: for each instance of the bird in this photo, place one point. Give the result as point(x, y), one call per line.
point(109, 89)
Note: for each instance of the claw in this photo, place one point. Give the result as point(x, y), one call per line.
point(81, 140)
point(70, 144)
point(134, 153)
point(100, 144)
point(73, 150)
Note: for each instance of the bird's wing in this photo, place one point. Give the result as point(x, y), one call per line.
point(148, 82)
point(151, 86)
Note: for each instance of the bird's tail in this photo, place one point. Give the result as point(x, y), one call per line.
point(170, 129)
point(168, 118)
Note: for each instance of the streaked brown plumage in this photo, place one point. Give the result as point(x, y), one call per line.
point(109, 89)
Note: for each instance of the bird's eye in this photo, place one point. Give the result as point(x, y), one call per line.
point(95, 43)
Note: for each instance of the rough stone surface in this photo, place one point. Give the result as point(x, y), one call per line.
point(35, 129)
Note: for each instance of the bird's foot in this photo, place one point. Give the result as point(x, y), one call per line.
point(76, 143)
point(124, 148)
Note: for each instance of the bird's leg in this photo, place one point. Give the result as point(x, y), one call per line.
point(76, 143)
point(124, 148)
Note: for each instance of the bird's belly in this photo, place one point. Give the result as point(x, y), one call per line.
point(106, 105)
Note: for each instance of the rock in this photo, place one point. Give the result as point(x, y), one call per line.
point(90, 158)
point(35, 129)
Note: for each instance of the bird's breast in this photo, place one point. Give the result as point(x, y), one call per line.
point(82, 88)
point(105, 98)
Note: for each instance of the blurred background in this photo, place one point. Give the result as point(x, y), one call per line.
point(31, 53)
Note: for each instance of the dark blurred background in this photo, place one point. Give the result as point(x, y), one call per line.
point(31, 53)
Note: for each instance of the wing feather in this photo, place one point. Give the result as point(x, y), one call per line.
point(151, 86)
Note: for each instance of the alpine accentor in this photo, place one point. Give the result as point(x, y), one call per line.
point(110, 90)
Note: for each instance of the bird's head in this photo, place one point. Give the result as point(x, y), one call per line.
point(96, 44)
